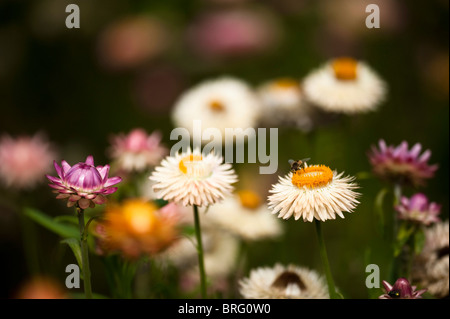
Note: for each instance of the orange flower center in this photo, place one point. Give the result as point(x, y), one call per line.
point(193, 166)
point(345, 68)
point(286, 83)
point(216, 106)
point(139, 216)
point(249, 199)
point(312, 176)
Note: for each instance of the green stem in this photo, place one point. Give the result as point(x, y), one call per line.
point(201, 265)
point(396, 262)
point(84, 255)
point(324, 257)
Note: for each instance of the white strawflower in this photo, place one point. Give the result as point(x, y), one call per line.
point(280, 282)
point(283, 103)
point(192, 178)
point(313, 192)
point(345, 85)
point(221, 103)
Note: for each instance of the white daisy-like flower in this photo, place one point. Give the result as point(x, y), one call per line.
point(345, 85)
point(431, 267)
point(246, 216)
point(283, 102)
point(313, 192)
point(221, 103)
point(280, 282)
point(192, 178)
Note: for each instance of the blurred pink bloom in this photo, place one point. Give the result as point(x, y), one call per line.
point(131, 41)
point(402, 289)
point(137, 150)
point(400, 165)
point(418, 209)
point(233, 33)
point(83, 184)
point(24, 160)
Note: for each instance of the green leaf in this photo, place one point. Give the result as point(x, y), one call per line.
point(74, 244)
point(59, 228)
point(379, 200)
point(404, 233)
point(419, 241)
point(67, 219)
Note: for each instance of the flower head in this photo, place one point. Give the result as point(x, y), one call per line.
point(282, 101)
point(431, 267)
point(245, 215)
point(221, 103)
point(281, 282)
point(24, 160)
point(42, 288)
point(344, 85)
point(418, 209)
point(83, 184)
point(313, 192)
point(137, 150)
point(137, 227)
point(402, 289)
point(400, 165)
point(192, 178)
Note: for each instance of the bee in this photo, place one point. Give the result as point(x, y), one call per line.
point(297, 165)
point(394, 294)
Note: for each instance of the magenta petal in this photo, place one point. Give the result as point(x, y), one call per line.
point(65, 166)
point(90, 160)
point(387, 286)
point(58, 169)
point(99, 200)
point(110, 190)
point(103, 172)
point(54, 179)
point(415, 151)
point(112, 181)
point(55, 186)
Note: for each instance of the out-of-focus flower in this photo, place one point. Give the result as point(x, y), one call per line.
point(132, 41)
point(233, 33)
point(246, 216)
point(344, 85)
point(418, 209)
point(137, 150)
point(137, 227)
point(156, 88)
point(191, 178)
point(221, 103)
point(283, 282)
point(83, 184)
point(24, 160)
point(402, 289)
point(41, 288)
point(313, 192)
point(400, 165)
point(282, 102)
point(431, 267)
point(220, 253)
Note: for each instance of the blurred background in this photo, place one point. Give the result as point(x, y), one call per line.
point(79, 86)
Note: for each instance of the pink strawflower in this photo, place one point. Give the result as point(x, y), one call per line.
point(24, 160)
point(400, 165)
point(231, 33)
point(418, 209)
point(137, 150)
point(402, 289)
point(83, 184)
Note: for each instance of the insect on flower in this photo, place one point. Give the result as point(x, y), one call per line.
point(297, 165)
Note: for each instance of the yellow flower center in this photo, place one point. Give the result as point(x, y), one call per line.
point(286, 83)
point(249, 199)
point(345, 68)
point(193, 166)
point(140, 216)
point(312, 176)
point(216, 106)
